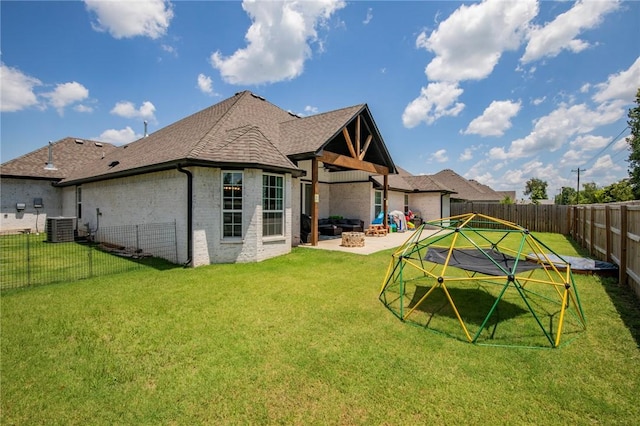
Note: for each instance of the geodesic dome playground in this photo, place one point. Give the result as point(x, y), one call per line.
point(483, 280)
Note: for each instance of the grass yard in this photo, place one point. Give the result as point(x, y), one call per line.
point(300, 339)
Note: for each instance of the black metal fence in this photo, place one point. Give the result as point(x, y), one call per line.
point(29, 259)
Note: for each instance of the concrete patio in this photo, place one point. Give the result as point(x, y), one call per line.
point(371, 244)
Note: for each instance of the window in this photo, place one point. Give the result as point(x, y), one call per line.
point(79, 202)
point(231, 204)
point(406, 203)
point(377, 203)
point(272, 205)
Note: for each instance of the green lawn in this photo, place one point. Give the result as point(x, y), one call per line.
point(300, 339)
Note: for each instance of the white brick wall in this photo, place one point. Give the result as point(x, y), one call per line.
point(14, 191)
point(427, 204)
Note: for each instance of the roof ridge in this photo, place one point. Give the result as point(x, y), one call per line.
point(197, 149)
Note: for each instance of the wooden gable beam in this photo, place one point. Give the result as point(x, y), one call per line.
point(357, 137)
point(366, 147)
point(352, 163)
point(345, 132)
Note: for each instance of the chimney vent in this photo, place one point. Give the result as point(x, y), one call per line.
point(50, 165)
point(145, 129)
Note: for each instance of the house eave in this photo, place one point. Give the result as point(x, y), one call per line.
point(173, 165)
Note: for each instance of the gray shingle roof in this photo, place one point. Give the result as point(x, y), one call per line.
point(468, 190)
point(405, 181)
point(244, 129)
point(69, 154)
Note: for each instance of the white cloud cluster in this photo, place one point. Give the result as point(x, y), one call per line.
point(16, 89)
point(278, 41)
point(125, 19)
point(119, 137)
point(440, 156)
point(66, 94)
point(495, 119)
point(18, 93)
point(467, 46)
point(561, 33)
point(469, 43)
point(205, 84)
point(127, 109)
point(621, 86)
point(553, 130)
point(435, 101)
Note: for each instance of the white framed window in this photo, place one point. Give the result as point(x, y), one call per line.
point(377, 203)
point(406, 203)
point(272, 205)
point(232, 204)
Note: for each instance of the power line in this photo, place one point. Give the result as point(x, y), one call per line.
point(614, 140)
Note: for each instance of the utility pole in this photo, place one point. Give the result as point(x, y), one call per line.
point(578, 170)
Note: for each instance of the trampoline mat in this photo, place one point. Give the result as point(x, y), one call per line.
point(488, 262)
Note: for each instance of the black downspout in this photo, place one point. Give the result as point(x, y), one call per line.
point(189, 215)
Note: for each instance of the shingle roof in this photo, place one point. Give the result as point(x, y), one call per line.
point(468, 190)
point(308, 134)
point(239, 130)
point(68, 154)
point(405, 181)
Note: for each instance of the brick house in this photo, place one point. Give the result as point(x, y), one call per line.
point(236, 177)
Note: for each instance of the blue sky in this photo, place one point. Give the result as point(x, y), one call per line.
point(498, 91)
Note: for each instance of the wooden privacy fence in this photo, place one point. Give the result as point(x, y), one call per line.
point(539, 218)
point(610, 232)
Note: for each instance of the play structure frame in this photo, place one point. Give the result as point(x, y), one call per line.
point(471, 249)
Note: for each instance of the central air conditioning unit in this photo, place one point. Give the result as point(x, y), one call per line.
point(60, 229)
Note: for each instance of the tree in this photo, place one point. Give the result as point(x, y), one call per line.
point(589, 193)
point(566, 197)
point(506, 200)
point(634, 144)
point(536, 189)
point(617, 191)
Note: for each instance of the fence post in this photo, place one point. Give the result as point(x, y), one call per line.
point(137, 238)
point(607, 225)
point(592, 230)
point(28, 258)
point(622, 278)
point(90, 256)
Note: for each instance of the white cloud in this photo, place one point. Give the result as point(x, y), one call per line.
point(589, 142)
point(278, 41)
point(83, 108)
point(495, 119)
point(538, 101)
point(469, 43)
point(16, 89)
point(435, 101)
point(440, 156)
point(466, 155)
point(205, 84)
point(555, 129)
point(369, 16)
point(128, 110)
point(622, 85)
point(124, 19)
point(311, 109)
point(603, 168)
point(119, 137)
point(66, 94)
point(559, 34)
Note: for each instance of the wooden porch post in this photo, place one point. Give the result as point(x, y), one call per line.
point(385, 203)
point(315, 210)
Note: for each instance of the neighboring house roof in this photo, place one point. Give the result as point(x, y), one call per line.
point(510, 194)
point(405, 181)
point(68, 155)
point(239, 131)
point(468, 190)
